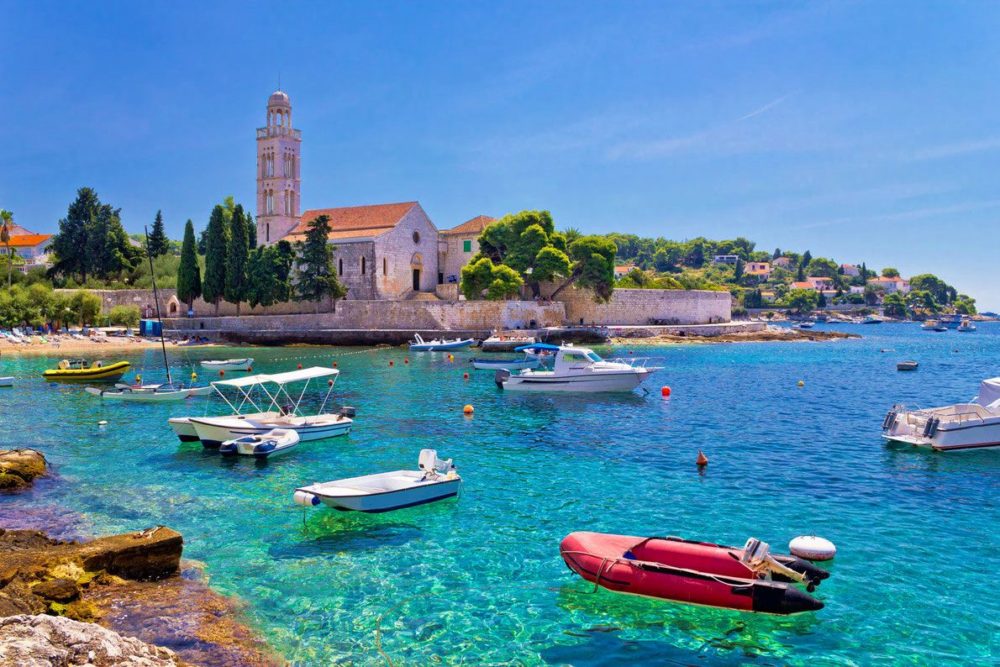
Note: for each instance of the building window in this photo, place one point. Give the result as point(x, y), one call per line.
point(363, 266)
point(416, 237)
point(467, 246)
point(385, 266)
point(267, 232)
point(340, 266)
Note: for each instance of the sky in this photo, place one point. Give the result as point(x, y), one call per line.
point(859, 131)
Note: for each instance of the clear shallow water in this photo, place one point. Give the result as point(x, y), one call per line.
point(479, 580)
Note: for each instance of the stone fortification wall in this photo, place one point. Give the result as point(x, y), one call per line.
point(415, 315)
point(171, 307)
point(642, 306)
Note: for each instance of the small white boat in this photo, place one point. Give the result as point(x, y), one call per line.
point(871, 319)
point(953, 427)
point(907, 366)
point(528, 361)
point(185, 432)
point(387, 491)
point(420, 345)
point(7, 381)
point(264, 445)
point(281, 411)
point(160, 394)
point(805, 325)
point(966, 326)
point(245, 364)
point(932, 325)
point(578, 369)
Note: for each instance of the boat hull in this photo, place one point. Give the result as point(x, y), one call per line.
point(511, 365)
point(680, 571)
point(109, 373)
point(128, 395)
point(6, 381)
point(214, 431)
point(440, 347)
point(597, 382)
point(229, 365)
point(183, 429)
point(907, 429)
point(273, 446)
point(389, 500)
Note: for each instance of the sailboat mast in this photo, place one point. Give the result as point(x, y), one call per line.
point(156, 300)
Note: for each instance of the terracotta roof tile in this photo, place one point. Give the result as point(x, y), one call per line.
point(358, 220)
point(28, 240)
point(473, 226)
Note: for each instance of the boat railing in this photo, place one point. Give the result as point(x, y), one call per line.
point(970, 413)
point(634, 362)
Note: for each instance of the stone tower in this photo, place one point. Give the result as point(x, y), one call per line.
point(278, 149)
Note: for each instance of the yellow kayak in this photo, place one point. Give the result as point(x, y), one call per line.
point(97, 372)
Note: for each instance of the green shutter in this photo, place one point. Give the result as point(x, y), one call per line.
point(467, 246)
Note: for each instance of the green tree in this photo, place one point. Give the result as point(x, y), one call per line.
point(483, 278)
point(159, 244)
point(806, 260)
point(821, 300)
point(889, 272)
point(316, 278)
point(593, 267)
point(802, 300)
point(943, 292)
point(188, 273)
point(738, 271)
point(528, 243)
point(873, 294)
point(894, 305)
point(216, 243)
point(124, 316)
point(821, 266)
point(69, 245)
point(268, 274)
point(965, 305)
point(109, 250)
point(506, 284)
point(86, 307)
point(237, 256)
point(6, 227)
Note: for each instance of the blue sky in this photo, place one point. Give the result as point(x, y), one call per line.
point(859, 131)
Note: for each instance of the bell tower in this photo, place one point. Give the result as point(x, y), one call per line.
point(278, 149)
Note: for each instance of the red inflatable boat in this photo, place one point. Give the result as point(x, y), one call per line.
point(671, 568)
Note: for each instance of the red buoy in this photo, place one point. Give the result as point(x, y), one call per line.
point(465, 376)
point(702, 460)
point(406, 360)
point(335, 364)
point(300, 367)
point(221, 373)
point(665, 392)
point(392, 363)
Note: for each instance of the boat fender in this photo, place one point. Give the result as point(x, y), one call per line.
point(228, 449)
point(934, 426)
point(305, 499)
point(264, 448)
point(98, 364)
point(890, 417)
point(812, 547)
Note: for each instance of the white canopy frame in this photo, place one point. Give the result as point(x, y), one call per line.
point(246, 385)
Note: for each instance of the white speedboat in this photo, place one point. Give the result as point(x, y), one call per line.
point(438, 344)
point(7, 381)
point(871, 319)
point(281, 410)
point(265, 445)
point(383, 492)
point(184, 429)
point(159, 394)
point(966, 326)
point(961, 426)
point(245, 364)
point(805, 325)
point(578, 369)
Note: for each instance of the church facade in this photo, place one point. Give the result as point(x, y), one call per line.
point(382, 251)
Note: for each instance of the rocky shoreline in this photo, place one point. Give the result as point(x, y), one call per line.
point(132, 585)
point(770, 334)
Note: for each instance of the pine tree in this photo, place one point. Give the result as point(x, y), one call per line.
point(216, 242)
point(237, 256)
point(188, 273)
point(316, 278)
point(159, 244)
point(70, 245)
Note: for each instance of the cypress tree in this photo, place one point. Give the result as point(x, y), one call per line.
point(237, 257)
point(251, 230)
point(216, 241)
point(159, 244)
point(188, 273)
point(316, 278)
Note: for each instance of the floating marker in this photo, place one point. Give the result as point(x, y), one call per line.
point(465, 376)
point(222, 373)
point(102, 423)
point(702, 460)
point(406, 360)
point(335, 364)
point(665, 392)
point(392, 363)
point(194, 376)
point(300, 366)
point(468, 409)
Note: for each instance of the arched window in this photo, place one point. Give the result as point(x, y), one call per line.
point(363, 265)
point(340, 266)
point(385, 266)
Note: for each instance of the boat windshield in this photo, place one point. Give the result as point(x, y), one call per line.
point(593, 356)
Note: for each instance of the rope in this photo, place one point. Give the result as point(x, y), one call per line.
point(682, 570)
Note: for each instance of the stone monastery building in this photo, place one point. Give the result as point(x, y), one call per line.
point(383, 251)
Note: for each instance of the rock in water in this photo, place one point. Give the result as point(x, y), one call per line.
point(19, 468)
point(40, 641)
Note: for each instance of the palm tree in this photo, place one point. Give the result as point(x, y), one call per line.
point(6, 226)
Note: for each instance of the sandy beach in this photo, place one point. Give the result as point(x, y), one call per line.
point(66, 346)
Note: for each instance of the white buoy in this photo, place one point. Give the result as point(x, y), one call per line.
point(812, 547)
point(305, 499)
point(102, 423)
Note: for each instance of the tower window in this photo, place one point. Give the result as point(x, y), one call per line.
point(362, 266)
point(385, 266)
point(340, 266)
point(416, 237)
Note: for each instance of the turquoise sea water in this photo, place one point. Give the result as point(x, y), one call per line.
point(479, 580)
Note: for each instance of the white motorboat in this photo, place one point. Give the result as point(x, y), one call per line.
point(510, 364)
point(265, 445)
point(807, 324)
point(871, 319)
point(578, 369)
point(144, 394)
point(383, 492)
point(245, 364)
point(961, 426)
point(438, 344)
point(281, 410)
point(966, 326)
point(184, 429)
point(7, 381)
point(907, 366)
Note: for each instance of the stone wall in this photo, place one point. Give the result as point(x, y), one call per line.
point(398, 254)
point(171, 307)
point(347, 257)
point(642, 306)
point(414, 315)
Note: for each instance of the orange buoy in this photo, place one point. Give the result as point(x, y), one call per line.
point(468, 409)
point(335, 364)
point(250, 369)
point(300, 366)
point(221, 373)
point(702, 460)
point(465, 376)
point(329, 383)
point(665, 392)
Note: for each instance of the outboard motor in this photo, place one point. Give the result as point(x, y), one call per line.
point(348, 411)
point(501, 376)
point(432, 465)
